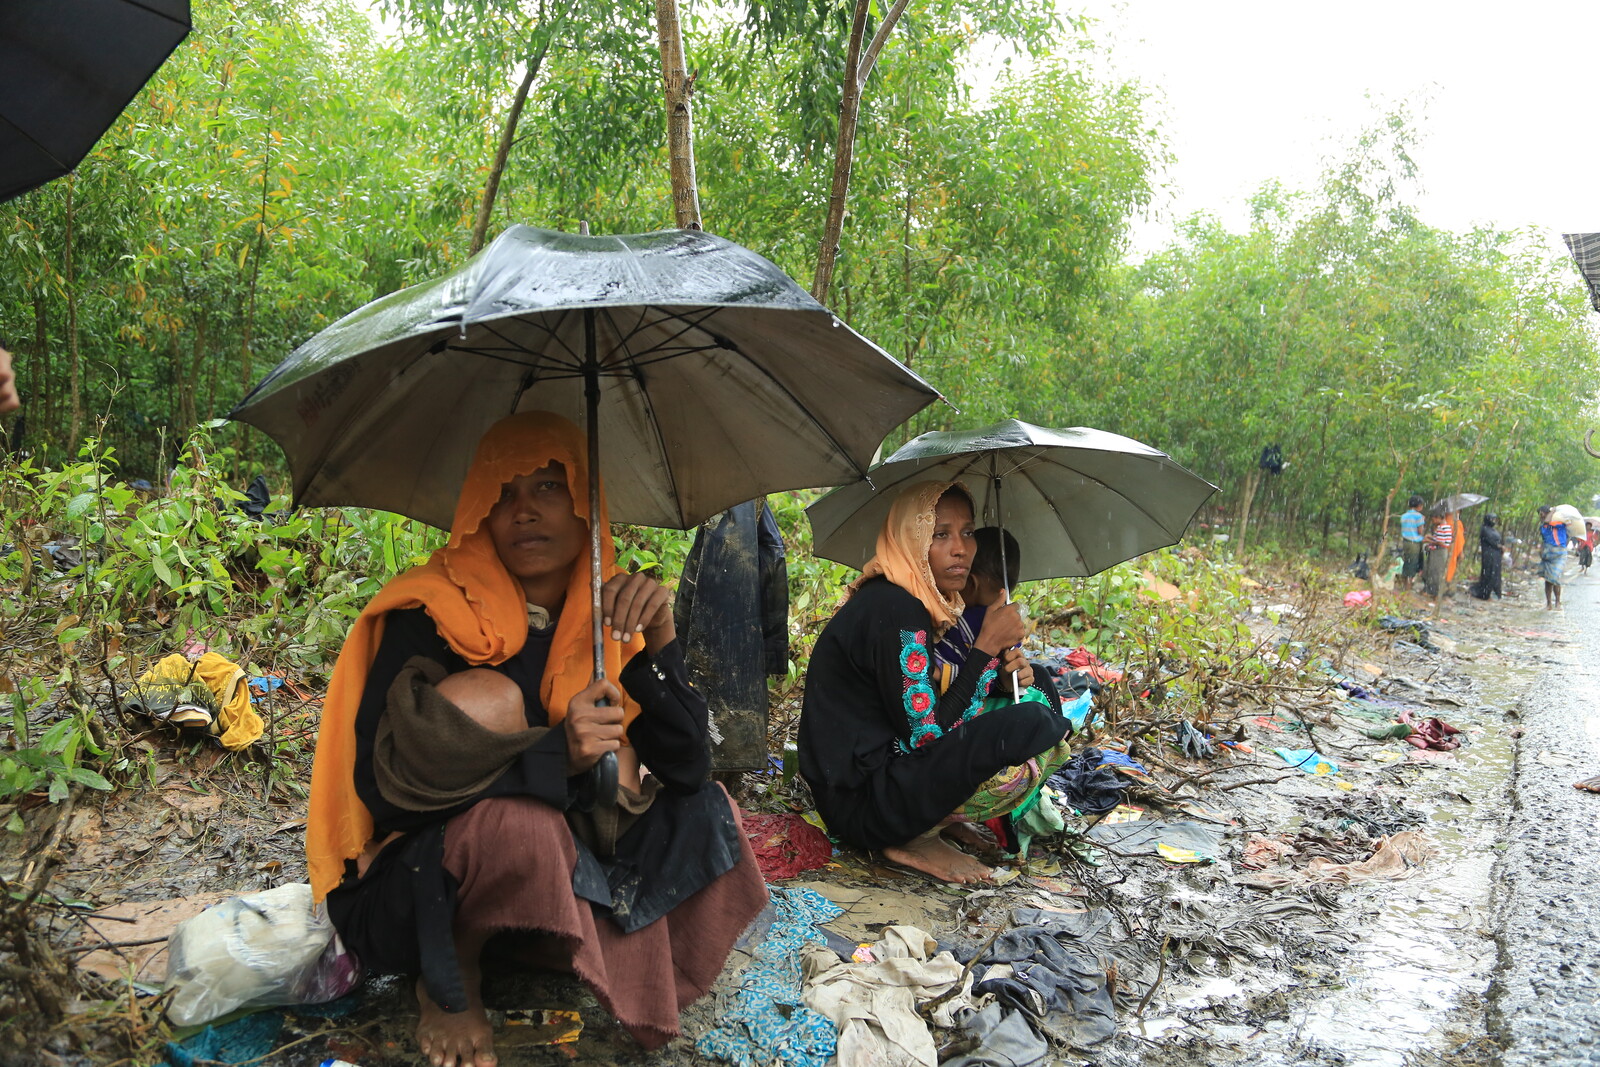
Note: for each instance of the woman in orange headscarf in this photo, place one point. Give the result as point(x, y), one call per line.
point(890, 761)
point(447, 796)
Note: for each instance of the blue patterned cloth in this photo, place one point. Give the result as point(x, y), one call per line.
point(241, 1041)
point(769, 1022)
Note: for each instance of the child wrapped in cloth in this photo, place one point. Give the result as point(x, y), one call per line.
point(457, 735)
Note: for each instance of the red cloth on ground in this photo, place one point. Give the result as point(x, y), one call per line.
point(1430, 733)
point(785, 845)
point(1084, 660)
point(514, 857)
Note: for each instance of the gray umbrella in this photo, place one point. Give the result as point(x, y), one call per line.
point(1078, 500)
point(715, 378)
point(1461, 500)
point(719, 379)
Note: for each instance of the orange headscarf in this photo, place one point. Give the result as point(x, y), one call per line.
point(481, 612)
point(902, 554)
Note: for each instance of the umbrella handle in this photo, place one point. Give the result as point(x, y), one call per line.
point(601, 788)
point(1016, 687)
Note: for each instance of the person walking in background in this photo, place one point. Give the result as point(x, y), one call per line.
point(1411, 524)
point(1441, 536)
point(1490, 547)
point(1552, 554)
point(1586, 548)
point(9, 400)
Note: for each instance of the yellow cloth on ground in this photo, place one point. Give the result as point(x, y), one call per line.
point(237, 723)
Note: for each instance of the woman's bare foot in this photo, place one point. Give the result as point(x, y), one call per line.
point(1588, 785)
point(931, 854)
point(965, 833)
point(457, 1039)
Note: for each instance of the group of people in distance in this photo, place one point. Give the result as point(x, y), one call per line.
point(452, 816)
point(1429, 543)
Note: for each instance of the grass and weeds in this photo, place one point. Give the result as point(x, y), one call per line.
point(100, 578)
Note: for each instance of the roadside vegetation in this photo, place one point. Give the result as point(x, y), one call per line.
point(296, 159)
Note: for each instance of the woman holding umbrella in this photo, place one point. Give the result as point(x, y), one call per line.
point(461, 721)
point(891, 762)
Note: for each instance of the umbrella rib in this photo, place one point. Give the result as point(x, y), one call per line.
point(158, 14)
point(554, 334)
point(489, 327)
point(623, 337)
point(655, 426)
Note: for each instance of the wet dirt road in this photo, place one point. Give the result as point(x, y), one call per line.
point(1544, 1001)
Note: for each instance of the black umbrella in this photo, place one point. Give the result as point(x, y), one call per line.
point(717, 378)
point(67, 69)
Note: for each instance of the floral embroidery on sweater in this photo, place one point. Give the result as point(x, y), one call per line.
point(918, 696)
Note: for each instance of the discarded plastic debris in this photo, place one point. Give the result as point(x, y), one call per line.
point(1308, 760)
point(1174, 854)
point(1358, 598)
point(1148, 836)
point(1193, 743)
point(560, 1027)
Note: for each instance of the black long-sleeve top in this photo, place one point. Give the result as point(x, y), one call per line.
point(869, 688)
point(670, 734)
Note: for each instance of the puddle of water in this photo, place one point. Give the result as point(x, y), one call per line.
point(1424, 949)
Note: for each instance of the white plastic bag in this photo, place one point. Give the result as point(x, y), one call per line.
point(256, 951)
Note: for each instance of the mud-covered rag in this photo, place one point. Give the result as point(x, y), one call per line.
point(874, 1004)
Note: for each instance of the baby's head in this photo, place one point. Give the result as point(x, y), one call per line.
point(987, 580)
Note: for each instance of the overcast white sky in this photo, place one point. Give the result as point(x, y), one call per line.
point(1256, 89)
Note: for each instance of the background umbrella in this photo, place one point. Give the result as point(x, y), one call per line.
point(69, 68)
point(717, 378)
point(1079, 500)
point(1458, 501)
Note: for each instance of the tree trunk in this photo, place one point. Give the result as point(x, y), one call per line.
point(677, 87)
point(508, 136)
point(72, 327)
point(44, 398)
point(1383, 531)
point(1251, 481)
point(857, 66)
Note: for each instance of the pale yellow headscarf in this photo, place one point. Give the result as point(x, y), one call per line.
point(902, 554)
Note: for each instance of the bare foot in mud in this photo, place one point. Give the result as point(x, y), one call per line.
point(1588, 785)
point(456, 1039)
point(964, 833)
point(931, 854)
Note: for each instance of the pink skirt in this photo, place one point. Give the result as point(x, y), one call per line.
point(514, 856)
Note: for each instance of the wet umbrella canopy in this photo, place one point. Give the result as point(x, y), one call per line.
point(1078, 500)
point(719, 378)
point(69, 68)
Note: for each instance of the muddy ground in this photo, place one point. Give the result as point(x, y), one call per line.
point(1217, 963)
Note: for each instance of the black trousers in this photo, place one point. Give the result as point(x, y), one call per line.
point(911, 792)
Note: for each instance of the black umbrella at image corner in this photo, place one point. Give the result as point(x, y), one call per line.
point(68, 68)
point(708, 374)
